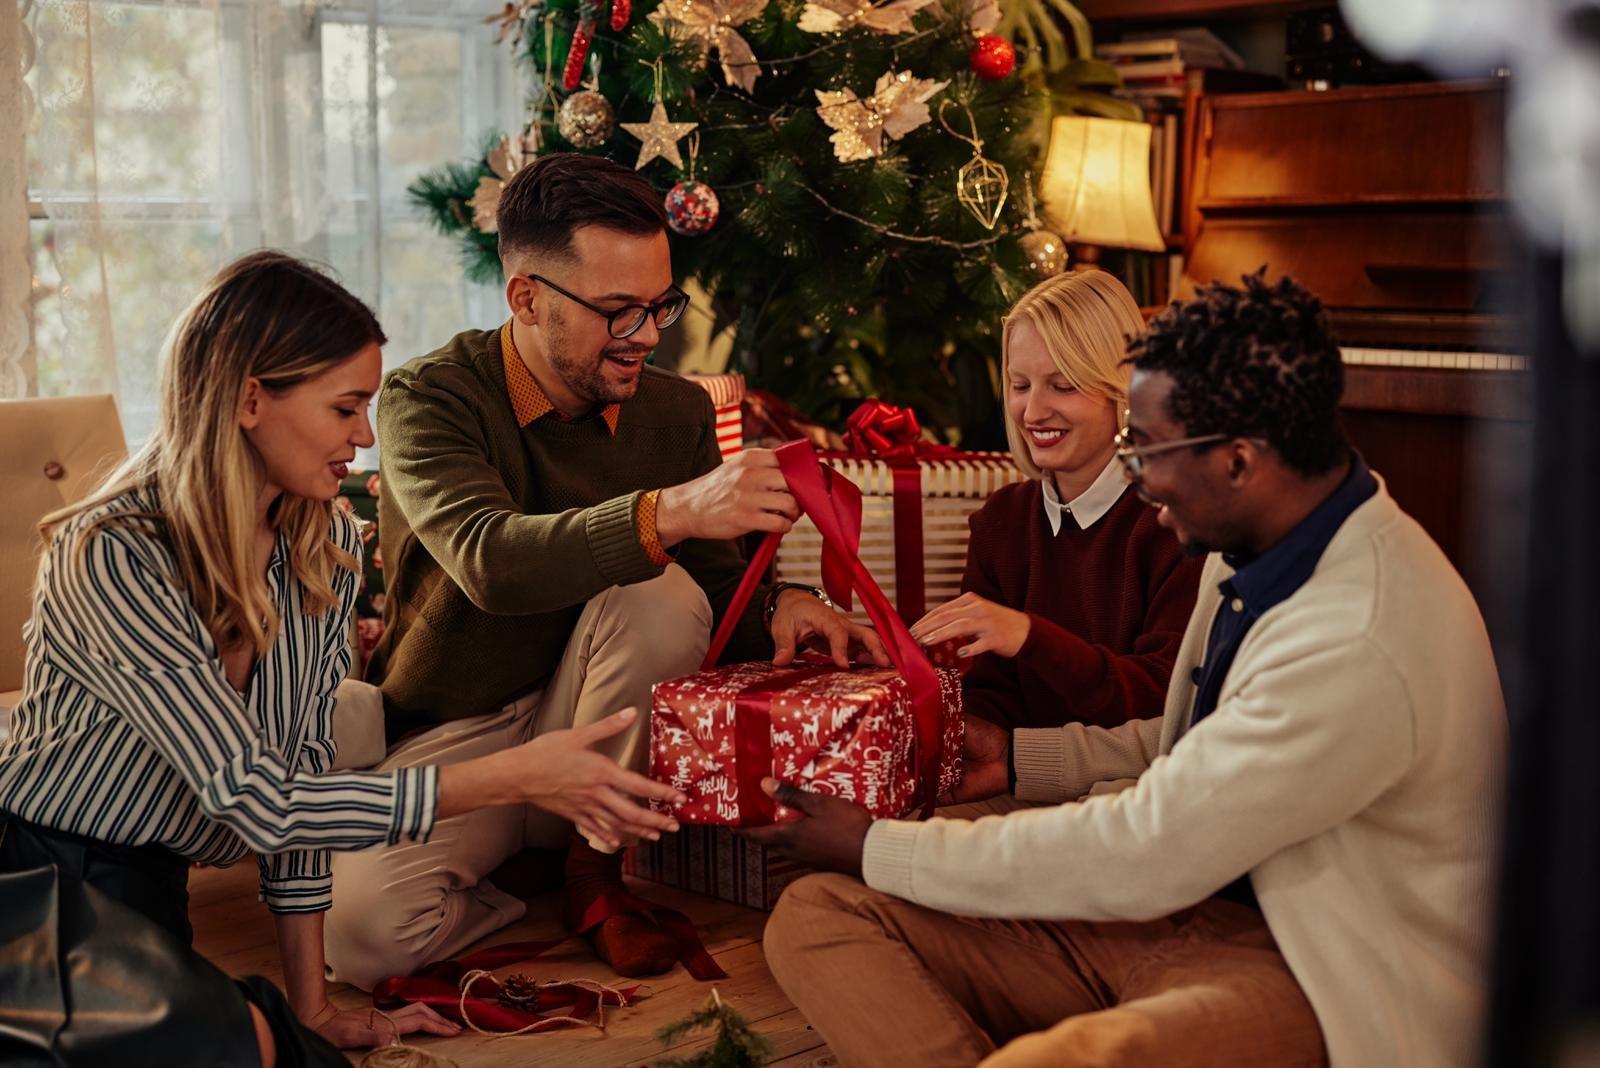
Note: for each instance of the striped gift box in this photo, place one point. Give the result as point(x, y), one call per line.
point(716, 862)
point(727, 395)
point(952, 489)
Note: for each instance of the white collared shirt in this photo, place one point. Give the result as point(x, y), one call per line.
point(1087, 507)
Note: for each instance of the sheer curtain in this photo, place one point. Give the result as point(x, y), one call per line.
point(166, 137)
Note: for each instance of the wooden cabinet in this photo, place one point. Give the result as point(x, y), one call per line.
point(1390, 204)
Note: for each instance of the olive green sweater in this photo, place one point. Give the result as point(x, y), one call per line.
point(494, 536)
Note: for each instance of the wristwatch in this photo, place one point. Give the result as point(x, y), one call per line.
point(770, 605)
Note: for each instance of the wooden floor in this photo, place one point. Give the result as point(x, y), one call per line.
point(235, 932)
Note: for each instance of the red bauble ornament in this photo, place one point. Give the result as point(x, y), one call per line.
point(692, 208)
point(621, 12)
point(993, 57)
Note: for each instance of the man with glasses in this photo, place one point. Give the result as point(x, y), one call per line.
point(1291, 867)
point(557, 534)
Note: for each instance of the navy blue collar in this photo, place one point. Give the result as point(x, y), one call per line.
point(1273, 577)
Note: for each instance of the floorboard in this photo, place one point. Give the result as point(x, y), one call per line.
point(234, 930)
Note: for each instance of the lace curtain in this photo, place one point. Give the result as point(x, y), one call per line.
point(166, 137)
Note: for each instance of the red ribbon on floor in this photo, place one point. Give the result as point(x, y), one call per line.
point(438, 983)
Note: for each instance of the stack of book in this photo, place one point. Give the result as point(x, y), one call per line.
point(1152, 67)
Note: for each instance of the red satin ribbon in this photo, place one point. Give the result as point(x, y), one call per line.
point(831, 500)
point(752, 742)
point(880, 431)
point(438, 983)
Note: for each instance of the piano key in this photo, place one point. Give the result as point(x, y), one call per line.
point(1432, 359)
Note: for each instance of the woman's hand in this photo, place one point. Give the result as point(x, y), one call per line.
point(360, 1028)
point(993, 628)
point(562, 774)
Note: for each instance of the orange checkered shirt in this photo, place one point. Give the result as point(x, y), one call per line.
point(530, 402)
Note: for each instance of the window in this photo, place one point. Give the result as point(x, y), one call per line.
point(168, 137)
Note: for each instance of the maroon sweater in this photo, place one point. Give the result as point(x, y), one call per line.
point(1109, 606)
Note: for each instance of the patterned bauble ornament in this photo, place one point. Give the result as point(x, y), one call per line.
point(1046, 252)
point(692, 208)
point(586, 119)
point(993, 57)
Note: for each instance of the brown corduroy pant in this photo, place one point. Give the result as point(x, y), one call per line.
point(887, 982)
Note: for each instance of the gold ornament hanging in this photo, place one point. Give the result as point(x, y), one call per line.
point(981, 183)
point(659, 136)
point(1046, 250)
point(898, 105)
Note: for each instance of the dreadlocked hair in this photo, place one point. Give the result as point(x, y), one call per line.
point(1252, 361)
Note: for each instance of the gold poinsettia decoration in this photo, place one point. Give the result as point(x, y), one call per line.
point(506, 158)
point(982, 16)
point(836, 16)
point(898, 105)
point(714, 24)
point(510, 18)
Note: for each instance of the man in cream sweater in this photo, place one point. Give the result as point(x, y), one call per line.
point(1291, 866)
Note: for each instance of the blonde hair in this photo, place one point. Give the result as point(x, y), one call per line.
point(279, 320)
point(1085, 319)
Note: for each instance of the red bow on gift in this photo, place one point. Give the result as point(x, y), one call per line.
point(879, 430)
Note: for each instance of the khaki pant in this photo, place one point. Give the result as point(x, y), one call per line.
point(886, 982)
point(399, 907)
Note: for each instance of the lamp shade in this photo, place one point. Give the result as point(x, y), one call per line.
point(1096, 184)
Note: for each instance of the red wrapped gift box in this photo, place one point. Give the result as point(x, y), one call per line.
point(888, 739)
point(852, 734)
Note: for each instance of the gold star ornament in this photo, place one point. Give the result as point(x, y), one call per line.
point(659, 137)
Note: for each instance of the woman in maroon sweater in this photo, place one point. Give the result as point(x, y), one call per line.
point(1076, 600)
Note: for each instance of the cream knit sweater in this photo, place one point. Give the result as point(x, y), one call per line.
point(1353, 767)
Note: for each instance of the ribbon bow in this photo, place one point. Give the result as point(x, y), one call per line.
point(882, 431)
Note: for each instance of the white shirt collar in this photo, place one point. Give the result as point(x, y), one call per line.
point(1087, 507)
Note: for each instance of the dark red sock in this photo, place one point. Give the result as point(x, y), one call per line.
point(632, 944)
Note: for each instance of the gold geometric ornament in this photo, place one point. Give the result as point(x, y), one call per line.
point(981, 183)
point(981, 187)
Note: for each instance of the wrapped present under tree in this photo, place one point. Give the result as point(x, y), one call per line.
point(887, 739)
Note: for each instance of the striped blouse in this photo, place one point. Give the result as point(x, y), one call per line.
point(128, 731)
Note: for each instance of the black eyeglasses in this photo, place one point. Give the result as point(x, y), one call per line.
point(626, 320)
point(1133, 456)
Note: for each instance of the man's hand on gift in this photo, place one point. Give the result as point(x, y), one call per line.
point(830, 834)
point(740, 495)
point(992, 628)
point(985, 763)
point(798, 617)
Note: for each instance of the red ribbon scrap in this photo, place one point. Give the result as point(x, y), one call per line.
point(438, 984)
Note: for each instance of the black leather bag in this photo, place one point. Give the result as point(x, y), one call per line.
point(86, 981)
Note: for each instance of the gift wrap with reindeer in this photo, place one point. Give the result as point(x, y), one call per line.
point(886, 739)
point(852, 734)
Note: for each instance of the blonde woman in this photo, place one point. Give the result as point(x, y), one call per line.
point(1075, 599)
point(190, 628)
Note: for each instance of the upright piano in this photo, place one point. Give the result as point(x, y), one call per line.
point(1390, 203)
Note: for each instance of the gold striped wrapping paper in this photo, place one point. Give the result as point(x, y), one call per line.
point(716, 862)
point(727, 397)
point(952, 489)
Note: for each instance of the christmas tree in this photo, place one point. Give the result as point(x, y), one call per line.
point(851, 182)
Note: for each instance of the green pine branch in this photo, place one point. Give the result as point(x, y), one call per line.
point(737, 1044)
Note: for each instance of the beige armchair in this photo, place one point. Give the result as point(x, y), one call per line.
point(53, 451)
